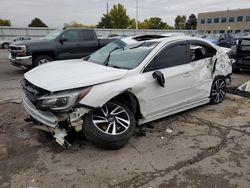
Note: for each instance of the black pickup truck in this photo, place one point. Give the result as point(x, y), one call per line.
point(240, 52)
point(58, 45)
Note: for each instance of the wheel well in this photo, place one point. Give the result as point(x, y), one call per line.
point(5, 43)
point(48, 53)
point(128, 99)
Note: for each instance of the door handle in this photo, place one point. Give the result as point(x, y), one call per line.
point(186, 74)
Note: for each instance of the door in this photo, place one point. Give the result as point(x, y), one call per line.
point(69, 44)
point(172, 62)
point(202, 59)
point(244, 49)
point(90, 42)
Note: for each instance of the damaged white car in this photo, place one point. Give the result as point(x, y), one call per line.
point(125, 84)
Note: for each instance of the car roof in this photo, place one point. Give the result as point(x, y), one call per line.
point(161, 38)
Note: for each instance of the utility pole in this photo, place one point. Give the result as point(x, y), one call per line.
point(136, 21)
point(107, 8)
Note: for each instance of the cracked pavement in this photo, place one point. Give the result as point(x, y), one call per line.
point(208, 146)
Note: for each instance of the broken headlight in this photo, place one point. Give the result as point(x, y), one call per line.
point(62, 101)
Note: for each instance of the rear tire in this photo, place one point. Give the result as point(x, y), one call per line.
point(110, 127)
point(42, 59)
point(5, 45)
point(218, 90)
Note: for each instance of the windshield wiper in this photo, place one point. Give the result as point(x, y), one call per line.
point(106, 62)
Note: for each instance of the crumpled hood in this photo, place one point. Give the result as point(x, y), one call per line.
point(64, 75)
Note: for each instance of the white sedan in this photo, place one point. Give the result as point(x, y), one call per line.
point(127, 83)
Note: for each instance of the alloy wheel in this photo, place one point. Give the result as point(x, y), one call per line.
point(111, 119)
point(218, 90)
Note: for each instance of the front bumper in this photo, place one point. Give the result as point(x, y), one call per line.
point(46, 118)
point(241, 64)
point(21, 61)
point(50, 122)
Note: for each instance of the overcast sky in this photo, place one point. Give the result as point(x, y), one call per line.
point(56, 12)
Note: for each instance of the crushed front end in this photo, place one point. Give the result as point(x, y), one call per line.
point(57, 113)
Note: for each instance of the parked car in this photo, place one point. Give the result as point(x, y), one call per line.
point(58, 45)
point(127, 83)
point(5, 43)
point(241, 35)
point(223, 40)
point(241, 53)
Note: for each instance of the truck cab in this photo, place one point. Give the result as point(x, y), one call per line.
point(58, 45)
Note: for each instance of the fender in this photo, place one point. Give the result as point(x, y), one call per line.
point(102, 93)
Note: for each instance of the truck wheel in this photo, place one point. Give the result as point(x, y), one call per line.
point(42, 59)
point(218, 90)
point(110, 126)
point(5, 45)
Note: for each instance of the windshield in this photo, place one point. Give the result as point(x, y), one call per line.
point(52, 35)
point(119, 55)
point(101, 55)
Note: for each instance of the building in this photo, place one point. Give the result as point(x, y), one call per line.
point(225, 21)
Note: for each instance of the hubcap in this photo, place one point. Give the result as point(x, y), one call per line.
point(218, 90)
point(5, 46)
point(111, 119)
point(43, 61)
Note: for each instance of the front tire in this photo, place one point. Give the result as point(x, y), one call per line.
point(111, 126)
point(218, 90)
point(41, 59)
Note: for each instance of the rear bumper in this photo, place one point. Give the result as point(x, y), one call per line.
point(21, 61)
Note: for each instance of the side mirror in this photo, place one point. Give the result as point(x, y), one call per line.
point(159, 77)
point(62, 40)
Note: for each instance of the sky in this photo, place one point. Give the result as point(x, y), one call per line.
point(57, 12)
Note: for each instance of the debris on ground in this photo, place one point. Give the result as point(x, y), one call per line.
point(245, 86)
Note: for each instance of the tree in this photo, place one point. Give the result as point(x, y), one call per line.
point(191, 22)
point(144, 24)
point(105, 22)
point(74, 24)
point(117, 18)
point(157, 23)
point(5, 22)
point(36, 22)
point(132, 24)
point(154, 23)
point(180, 22)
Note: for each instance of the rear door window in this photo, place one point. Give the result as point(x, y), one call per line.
point(199, 51)
point(88, 35)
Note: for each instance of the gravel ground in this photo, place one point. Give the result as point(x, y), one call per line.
point(208, 147)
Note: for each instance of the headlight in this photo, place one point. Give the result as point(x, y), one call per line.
point(62, 101)
point(21, 50)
